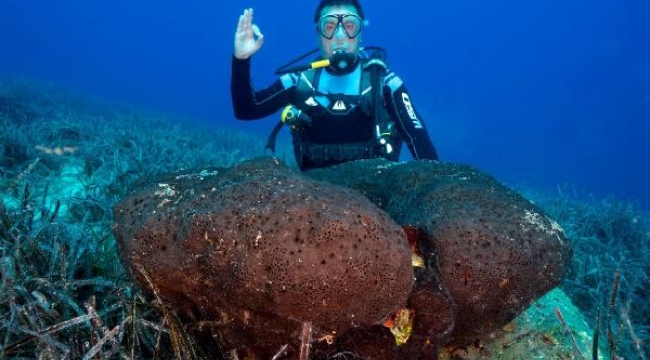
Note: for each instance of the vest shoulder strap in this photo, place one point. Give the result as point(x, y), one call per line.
point(307, 85)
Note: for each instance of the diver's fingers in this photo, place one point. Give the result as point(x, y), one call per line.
point(248, 15)
point(245, 29)
point(256, 30)
point(240, 24)
point(244, 21)
point(259, 41)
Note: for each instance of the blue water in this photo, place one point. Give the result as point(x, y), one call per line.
point(545, 93)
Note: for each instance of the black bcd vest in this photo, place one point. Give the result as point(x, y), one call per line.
point(335, 128)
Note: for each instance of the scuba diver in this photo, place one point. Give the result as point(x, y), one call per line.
point(347, 105)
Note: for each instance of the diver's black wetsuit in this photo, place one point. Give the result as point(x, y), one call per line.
point(330, 135)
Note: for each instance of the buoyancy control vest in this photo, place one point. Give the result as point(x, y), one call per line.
point(329, 129)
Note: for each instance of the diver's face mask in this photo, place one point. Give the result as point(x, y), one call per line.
point(349, 25)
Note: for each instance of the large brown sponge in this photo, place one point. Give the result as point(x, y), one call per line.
point(494, 251)
point(260, 250)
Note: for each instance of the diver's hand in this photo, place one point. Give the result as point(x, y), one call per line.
point(248, 38)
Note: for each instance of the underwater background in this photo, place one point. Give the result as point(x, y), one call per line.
point(550, 97)
point(544, 93)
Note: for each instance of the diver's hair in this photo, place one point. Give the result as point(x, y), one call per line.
point(325, 3)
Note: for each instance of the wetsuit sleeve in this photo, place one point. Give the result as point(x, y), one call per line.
point(249, 104)
point(408, 121)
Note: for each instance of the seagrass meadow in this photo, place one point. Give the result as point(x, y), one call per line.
point(66, 160)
